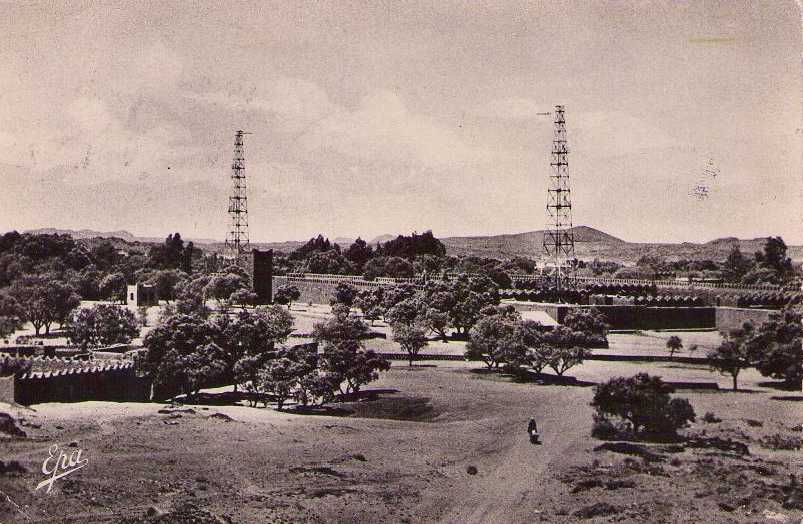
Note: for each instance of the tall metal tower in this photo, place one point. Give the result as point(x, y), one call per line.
point(237, 242)
point(559, 236)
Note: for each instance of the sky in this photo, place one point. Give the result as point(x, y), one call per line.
point(392, 117)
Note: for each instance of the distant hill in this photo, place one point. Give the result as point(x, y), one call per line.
point(592, 243)
point(84, 234)
point(588, 241)
point(381, 238)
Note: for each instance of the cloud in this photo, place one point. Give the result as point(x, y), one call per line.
point(382, 129)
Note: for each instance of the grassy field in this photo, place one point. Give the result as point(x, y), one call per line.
point(406, 454)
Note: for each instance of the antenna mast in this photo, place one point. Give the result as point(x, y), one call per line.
point(237, 242)
point(559, 235)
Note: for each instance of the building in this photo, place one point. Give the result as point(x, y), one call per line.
point(259, 265)
point(141, 295)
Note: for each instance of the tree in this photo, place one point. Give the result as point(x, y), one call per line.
point(343, 359)
point(328, 262)
point(169, 255)
point(280, 377)
point(777, 346)
point(408, 311)
point(344, 294)
point(591, 322)
point(411, 337)
point(112, 287)
point(221, 287)
point(493, 339)
point(166, 282)
point(286, 294)
point(182, 355)
point(736, 265)
point(43, 300)
point(674, 344)
point(102, 325)
point(249, 340)
point(359, 253)
point(735, 353)
point(369, 301)
point(644, 402)
point(244, 298)
point(10, 315)
point(63, 300)
point(561, 349)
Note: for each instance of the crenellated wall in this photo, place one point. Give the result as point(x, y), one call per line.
point(116, 382)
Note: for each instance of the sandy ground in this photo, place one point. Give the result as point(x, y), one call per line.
point(405, 457)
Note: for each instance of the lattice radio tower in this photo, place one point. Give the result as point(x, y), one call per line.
point(559, 235)
point(237, 242)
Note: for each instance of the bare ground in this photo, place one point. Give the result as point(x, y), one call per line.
point(408, 457)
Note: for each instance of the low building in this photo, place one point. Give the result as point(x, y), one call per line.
point(141, 295)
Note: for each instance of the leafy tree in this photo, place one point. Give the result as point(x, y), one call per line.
point(411, 337)
point(328, 262)
point(249, 340)
point(104, 254)
point(735, 353)
point(344, 294)
point(286, 294)
point(43, 300)
point(87, 283)
point(317, 244)
point(102, 325)
point(221, 287)
point(112, 287)
point(244, 298)
point(493, 339)
point(561, 358)
point(409, 247)
point(169, 255)
point(591, 322)
point(644, 402)
point(344, 360)
point(408, 311)
point(10, 315)
point(359, 253)
point(736, 266)
point(181, 354)
point(470, 296)
point(674, 344)
point(777, 346)
point(369, 301)
point(393, 267)
point(166, 282)
point(280, 377)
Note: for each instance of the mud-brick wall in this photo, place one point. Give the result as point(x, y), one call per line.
point(635, 317)
point(118, 382)
point(7, 389)
point(733, 317)
point(315, 291)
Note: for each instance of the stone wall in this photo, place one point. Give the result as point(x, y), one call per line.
point(728, 318)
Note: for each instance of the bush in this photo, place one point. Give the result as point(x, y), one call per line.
point(711, 418)
point(783, 442)
point(643, 402)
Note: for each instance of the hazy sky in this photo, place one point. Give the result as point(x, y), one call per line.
point(389, 117)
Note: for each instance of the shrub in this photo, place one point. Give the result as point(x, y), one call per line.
point(711, 418)
point(644, 402)
point(783, 442)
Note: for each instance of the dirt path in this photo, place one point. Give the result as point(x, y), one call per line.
point(507, 492)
